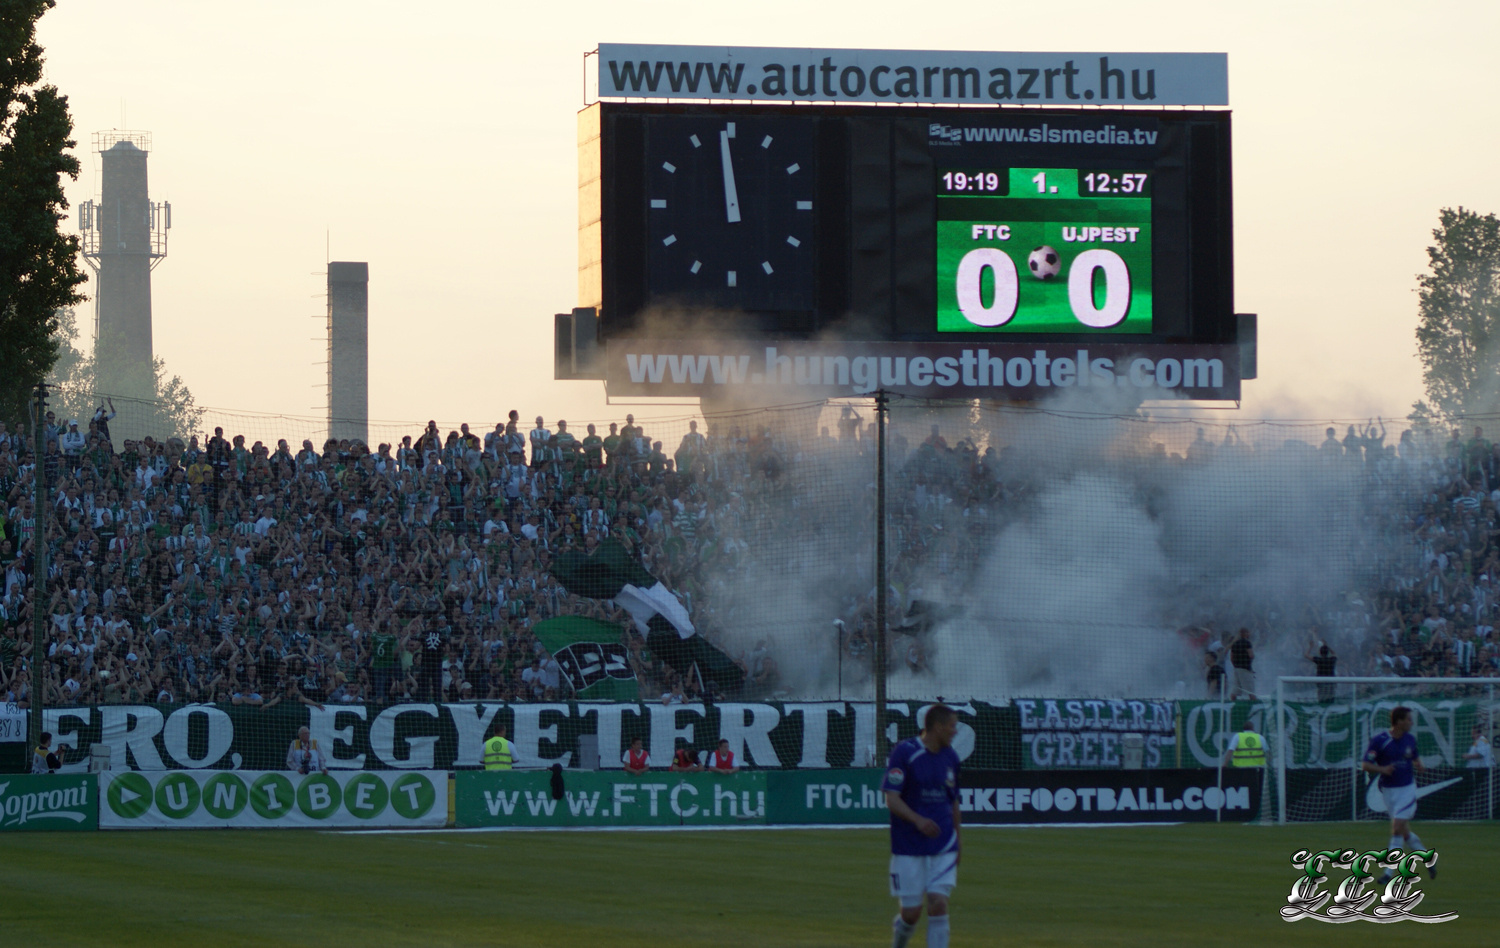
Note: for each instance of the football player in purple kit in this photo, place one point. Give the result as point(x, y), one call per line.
point(1393, 755)
point(921, 790)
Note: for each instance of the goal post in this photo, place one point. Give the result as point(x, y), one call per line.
point(1322, 725)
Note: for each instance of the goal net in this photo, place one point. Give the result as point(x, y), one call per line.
point(1322, 726)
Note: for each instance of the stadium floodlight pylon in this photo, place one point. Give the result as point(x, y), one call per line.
point(1347, 712)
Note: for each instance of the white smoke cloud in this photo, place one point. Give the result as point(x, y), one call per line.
point(1116, 539)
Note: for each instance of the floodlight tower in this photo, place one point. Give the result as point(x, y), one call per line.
point(124, 238)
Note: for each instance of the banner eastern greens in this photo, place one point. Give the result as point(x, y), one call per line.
point(196, 799)
point(766, 735)
point(1088, 733)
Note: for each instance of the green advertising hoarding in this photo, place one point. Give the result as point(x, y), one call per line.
point(198, 799)
point(596, 798)
point(657, 798)
point(830, 796)
point(48, 802)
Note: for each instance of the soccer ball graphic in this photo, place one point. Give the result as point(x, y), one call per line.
point(1044, 263)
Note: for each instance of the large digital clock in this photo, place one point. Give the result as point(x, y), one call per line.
point(730, 211)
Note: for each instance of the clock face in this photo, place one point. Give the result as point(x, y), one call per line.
point(730, 211)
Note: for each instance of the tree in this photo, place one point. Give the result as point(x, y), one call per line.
point(39, 272)
point(78, 392)
point(1458, 331)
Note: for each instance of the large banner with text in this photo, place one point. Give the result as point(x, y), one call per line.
point(762, 734)
point(1028, 733)
point(1333, 734)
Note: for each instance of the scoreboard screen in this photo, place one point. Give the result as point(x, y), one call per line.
point(910, 223)
point(979, 229)
point(1052, 250)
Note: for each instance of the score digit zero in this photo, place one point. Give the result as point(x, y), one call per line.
point(1006, 291)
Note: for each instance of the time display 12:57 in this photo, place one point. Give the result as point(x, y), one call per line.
point(1114, 183)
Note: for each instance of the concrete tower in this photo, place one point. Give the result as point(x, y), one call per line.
point(349, 351)
point(124, 238)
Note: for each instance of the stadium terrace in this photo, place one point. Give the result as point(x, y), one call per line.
point(221, 572)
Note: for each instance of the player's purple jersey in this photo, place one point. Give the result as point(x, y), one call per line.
point(928, 783)
point(1398, 752)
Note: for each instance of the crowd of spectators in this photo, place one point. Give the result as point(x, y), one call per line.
point(258, 575)
point(1428, 559)
point(1435, 607)
point(261, 575)
point(1409, 530)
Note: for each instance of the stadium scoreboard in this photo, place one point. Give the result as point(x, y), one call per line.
point(728, 228)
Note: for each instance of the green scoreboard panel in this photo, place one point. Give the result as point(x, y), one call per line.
point(1043, 250)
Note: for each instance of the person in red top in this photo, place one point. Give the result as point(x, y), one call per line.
point(723, 761)
point(636, 760)
point(682, 759)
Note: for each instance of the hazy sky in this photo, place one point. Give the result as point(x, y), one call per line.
point(437, 142)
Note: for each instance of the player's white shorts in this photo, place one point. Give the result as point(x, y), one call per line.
point(912, 877)
point(1400, 802)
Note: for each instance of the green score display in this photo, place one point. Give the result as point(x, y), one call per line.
point(1043, 250)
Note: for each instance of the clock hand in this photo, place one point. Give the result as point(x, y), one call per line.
point(731, 195)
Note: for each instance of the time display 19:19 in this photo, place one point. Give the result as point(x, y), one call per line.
point(987, 183)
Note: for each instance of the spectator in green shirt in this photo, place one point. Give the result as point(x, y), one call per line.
point(612, 443)
point(383, 646)
point(593, 446)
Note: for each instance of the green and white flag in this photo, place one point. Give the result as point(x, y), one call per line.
point(612, 572)
point(594, 662)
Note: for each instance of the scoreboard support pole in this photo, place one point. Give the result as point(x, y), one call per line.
point(882, 744)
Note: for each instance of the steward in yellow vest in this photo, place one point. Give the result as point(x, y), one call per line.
point(499, 754)
point(1248, 749)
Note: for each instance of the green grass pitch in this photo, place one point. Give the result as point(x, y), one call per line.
point(1200, 885)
